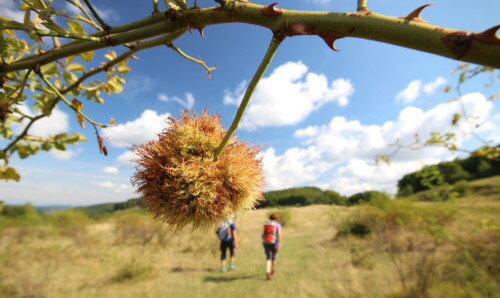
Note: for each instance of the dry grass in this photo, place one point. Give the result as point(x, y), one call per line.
point(130, 255)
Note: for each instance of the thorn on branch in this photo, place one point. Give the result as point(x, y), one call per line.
point(270, 10)
point(200, 30)
point(415, 15)
point(331, 36)
point(488, 35)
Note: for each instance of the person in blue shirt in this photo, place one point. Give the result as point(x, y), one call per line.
point(228, 240)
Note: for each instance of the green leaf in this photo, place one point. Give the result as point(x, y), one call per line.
point(46, 146)
point(23, 152)
point(60, 146)
point(49, 69)
point(75, 67)
point(70, 77)
point(7, 173)
point(75, 27)
point(123, 69)
point(87, 56)
point(54, 27)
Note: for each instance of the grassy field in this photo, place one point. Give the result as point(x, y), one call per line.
point(453, 254)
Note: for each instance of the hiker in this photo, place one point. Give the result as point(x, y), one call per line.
point(228, 240)
point(271, 239)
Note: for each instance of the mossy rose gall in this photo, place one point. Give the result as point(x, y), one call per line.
point(182, 182)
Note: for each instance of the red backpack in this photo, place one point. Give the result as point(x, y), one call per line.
point(270, 232)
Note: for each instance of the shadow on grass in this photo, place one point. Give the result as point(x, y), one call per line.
point(184, 269)
point(230, 278)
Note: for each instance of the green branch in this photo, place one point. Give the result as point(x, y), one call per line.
point(481, 48)
point(266, 60)
point(199, 61)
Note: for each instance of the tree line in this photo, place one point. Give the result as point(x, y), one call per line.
point(450, 172)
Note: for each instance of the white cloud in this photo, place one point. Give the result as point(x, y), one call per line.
point(288, 95)
point(113, 186)
point(56, 123)
point(63, 155)
point(345, 150)
point(10, 9)
point(138, 131)
point(111, 170)
point(410, 93)
point(360, 175)
point(125, 159)
point(107, 14)
point(431, 87)
point(187, 103)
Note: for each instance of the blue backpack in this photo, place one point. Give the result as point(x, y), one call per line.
point(224, 231)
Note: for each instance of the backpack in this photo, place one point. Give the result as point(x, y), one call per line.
point(224, 231)
point(270, 232)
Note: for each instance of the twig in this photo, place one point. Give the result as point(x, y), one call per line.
point(21, 85)
point(266, 60)
point(24, 132)
point(199, 61)
point(58, 93)
point(96, 15)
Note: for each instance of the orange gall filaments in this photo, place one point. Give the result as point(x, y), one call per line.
point(181, 181)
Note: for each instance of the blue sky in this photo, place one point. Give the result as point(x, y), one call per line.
point(322, 116)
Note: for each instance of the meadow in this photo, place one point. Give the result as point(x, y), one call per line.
point(382, 249)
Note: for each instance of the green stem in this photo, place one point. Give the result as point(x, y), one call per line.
point(266, 60)
point(53, 88)
point(362, 5)
point(199, 61)
point(155, 6)
point(96, 15)
point(133, 49)
point(68, 35)
point(21, 85)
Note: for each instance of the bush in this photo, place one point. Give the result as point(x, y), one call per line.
point(284, 216)
point(462, 187)
point(367, 196)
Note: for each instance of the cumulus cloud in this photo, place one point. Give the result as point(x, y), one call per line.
point(187, 103)
point(63, 155)
point(111, 170)
point(113, 186)
point(431, 87)
point(415, 88)
point(138, 131)
point(10, 9)
point(344, 150)
point(288, 95)
point(106, 14)
point(410, 93)
point(56, 123)
point(125, 159)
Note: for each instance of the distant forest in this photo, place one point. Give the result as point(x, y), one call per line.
point(451, 172)
point(471, 168)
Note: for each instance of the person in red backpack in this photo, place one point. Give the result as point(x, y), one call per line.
point(271, 239)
